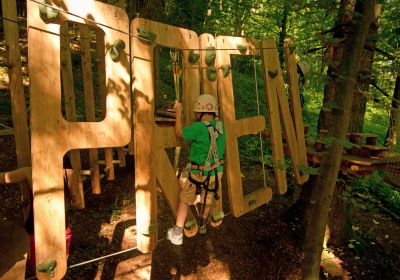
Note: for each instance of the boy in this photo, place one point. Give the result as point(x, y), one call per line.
point(205, 169)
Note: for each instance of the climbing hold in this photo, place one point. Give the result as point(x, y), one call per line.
point(193, 57)
point(47, 267)
point(119, 44)
point(226, 69)
point(46, 11)
point(241, 47)
point(210, 55)
point(146, 35)
point(190, 229)
point(216, 218)
point(292, 47)
point(116, 49)
point(273, 73)
point(211, 73)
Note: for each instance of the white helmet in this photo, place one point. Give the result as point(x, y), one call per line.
point(205, 104)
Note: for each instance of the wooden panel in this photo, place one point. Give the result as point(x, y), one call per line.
point(291, 70)
point(274, 115)
point(146, 138)
point(166, 137)
point(226, 46)
point(77, 192)
point(89, 104)
point(52, 135)
point(13, 251)
point(252, 125)
point(16, 87)
point(101, 66)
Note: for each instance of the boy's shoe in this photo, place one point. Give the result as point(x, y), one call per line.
point(175, 238)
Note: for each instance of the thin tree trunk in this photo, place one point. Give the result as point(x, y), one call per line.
point(391, 135)
point(282, 34)
point(341, 112)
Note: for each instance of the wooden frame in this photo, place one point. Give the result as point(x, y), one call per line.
point(240, 204)
point(52, 135)
point(151, 139)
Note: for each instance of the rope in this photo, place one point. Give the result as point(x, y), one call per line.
point(258, 114)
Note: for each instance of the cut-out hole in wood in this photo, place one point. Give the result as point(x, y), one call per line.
point(81, 73)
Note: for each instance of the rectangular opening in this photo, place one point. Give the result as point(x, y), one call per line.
point(167, 82)
point(82, 72)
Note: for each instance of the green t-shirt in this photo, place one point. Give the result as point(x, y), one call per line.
point(198, 135)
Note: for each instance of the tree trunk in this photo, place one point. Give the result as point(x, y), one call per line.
point(333, 57)
point(283, 33)
point(325, 185)
point(131, 9)
point(391, 135)
point(364, 76)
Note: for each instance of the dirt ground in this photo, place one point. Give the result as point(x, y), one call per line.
point(258, 245)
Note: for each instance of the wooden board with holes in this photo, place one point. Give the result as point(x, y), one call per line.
point(276, 89)
point(240, 204)
point(52, 135)
point(147, 134)
point(291, 70)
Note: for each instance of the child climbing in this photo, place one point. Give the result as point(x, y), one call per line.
point(23, 175)
point(202, 177)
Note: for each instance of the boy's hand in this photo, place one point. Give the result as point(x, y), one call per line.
point(178, 108)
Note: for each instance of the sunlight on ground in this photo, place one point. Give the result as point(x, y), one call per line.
point(333, 265)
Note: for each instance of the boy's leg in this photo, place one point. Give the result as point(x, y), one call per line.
point(175, 234)
point(183, 209)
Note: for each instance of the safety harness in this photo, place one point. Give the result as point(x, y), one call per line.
point(212, 156)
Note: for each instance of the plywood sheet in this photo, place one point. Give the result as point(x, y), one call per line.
point(52, 135)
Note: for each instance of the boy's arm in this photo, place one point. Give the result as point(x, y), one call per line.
point(19, 175)
point(178, 119)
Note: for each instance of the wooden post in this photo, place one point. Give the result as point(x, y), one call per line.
point(76, 191)
point(16, 87)
point(101, 66)
point(52, 136)
point(291, 71)
point(89, 104)
point(240, 204)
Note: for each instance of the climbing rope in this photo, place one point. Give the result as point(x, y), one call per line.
point(258, 114)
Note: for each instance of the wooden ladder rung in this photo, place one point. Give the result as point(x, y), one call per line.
point(86, 172)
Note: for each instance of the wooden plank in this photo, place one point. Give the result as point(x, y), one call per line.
point(226, 46)
point(274, 117)
point(291, 70)
point(52, 135)
point(166, 137)
point(77, 192)
point(89, 103)
point(16, 87)
point(13, 251)
point(101, 68)
point(121, 156)
point(251, 125)
point(5, 132)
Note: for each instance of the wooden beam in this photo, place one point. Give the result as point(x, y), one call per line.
point(76, 191)
point(89, 103)
point(22, 143)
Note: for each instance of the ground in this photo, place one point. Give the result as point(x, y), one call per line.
point(257, 245)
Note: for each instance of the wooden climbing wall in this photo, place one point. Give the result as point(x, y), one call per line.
point(151, 140)
point(52, 135)
point(240, 204)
